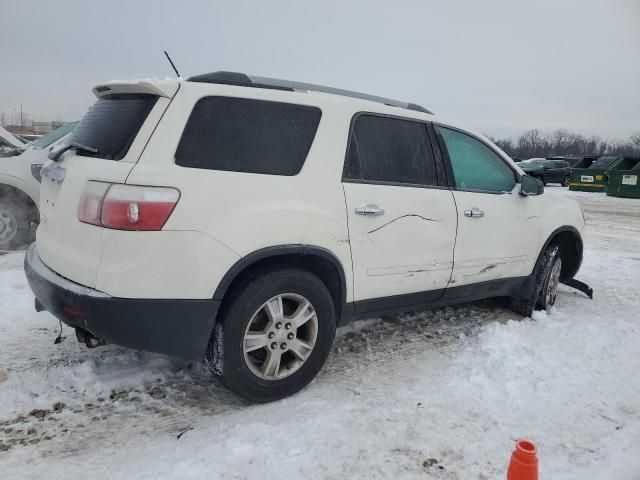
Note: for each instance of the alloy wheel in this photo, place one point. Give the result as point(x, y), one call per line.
point(8, 226)
point(280, 336)
point(554, 281)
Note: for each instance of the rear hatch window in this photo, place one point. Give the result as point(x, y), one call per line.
point(111, 125)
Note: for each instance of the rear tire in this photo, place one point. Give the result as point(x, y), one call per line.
point(15, 225)
point(274, 335)
point(546, 277)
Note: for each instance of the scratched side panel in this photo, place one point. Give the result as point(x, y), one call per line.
point(500, 244)
point(409, 248)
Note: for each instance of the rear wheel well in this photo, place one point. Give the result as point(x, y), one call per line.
point(570, 245)
point(318, 265)
point(7, 192)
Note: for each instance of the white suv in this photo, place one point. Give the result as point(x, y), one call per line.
point(20, 188)
point(241, 219)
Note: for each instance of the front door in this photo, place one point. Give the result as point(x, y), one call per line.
point(402, 226)
point(498, 229)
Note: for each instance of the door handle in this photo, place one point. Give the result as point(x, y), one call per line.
point(474, 213)
point(369, 210)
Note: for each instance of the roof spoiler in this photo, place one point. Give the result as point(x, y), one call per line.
point(161, 88)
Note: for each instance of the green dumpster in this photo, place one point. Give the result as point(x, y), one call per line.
point(582, 162)
point(593, 178)
point(625, 181)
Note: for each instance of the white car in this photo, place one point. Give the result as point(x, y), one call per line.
point(241, 219)
point(9, 143)
point(20, 189)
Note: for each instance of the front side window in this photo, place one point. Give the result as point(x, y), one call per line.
point(475, 165)
point(245, 135)
point(111, 124)
point(385, 149)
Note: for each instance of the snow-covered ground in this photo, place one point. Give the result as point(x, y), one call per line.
point(439, 394)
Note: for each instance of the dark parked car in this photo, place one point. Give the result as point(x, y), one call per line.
point(547, 171)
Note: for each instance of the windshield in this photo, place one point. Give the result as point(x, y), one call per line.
point(111, 125)
point(43, 142)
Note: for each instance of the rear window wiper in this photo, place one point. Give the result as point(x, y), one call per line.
point(55, 152)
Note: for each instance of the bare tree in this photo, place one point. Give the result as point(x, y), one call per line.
point(533, 143)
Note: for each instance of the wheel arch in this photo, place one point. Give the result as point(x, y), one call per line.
point(569, 240)
point(317, 260)
point(11, 191)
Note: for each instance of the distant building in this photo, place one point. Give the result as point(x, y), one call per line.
point(20, 129)
point(35, 128)
point(42, 127)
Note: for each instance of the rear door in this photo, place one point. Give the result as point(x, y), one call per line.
point(402, 225)
point(118, 126)
point(497, 228)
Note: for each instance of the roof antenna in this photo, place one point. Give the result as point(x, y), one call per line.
point(172, 65)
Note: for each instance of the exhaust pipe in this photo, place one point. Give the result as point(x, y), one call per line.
point(89, 339)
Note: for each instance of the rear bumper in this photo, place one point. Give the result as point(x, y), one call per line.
point(179, 328)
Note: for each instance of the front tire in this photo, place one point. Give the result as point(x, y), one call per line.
point(546, 278)
point(565, 182)
point(549, 292)
point(274, 335)
point(15, 225)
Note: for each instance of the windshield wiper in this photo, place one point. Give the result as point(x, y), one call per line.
point(55, 152)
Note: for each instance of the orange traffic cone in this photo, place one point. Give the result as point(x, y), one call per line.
point(524, 462)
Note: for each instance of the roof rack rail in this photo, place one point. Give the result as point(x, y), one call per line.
point(244, 80)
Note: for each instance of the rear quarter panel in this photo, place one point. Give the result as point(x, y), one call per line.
point(246, 212)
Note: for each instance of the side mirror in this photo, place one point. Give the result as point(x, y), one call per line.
point(530, 186)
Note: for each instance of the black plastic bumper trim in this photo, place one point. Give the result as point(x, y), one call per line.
point(175, 327)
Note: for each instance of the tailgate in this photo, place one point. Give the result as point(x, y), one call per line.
point(71, 248)
point(118, 126)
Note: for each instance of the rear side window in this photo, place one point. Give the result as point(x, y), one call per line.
point(475, 165)
point(111, 124)
point(385, 149)
point(245, 135)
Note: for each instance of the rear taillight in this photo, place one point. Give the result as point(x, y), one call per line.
point(90, 208)
point(126, 207)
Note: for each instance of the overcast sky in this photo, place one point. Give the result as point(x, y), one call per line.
point(501, 66)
